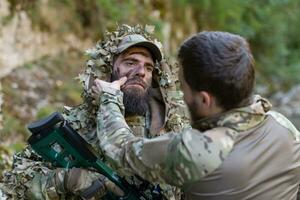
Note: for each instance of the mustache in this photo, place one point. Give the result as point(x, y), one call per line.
point(136, 80)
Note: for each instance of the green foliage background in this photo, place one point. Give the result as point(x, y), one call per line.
point(271, 27)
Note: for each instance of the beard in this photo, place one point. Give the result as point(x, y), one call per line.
point(193, 111)
point(135, 99)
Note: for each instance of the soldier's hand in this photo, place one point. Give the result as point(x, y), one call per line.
point(98, 86)
point(85, 183)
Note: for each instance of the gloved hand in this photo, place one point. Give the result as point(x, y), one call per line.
point(85, 183)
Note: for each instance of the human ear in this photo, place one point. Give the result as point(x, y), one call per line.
point(205, 98)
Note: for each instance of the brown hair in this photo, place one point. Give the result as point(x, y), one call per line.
point(220, 63)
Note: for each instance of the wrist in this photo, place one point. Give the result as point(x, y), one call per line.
point(111, 95)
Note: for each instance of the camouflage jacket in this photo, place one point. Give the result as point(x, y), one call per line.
point(208, 160)
point(32, 178)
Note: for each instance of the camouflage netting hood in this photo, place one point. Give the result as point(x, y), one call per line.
point(99, 65)
point(101, 56)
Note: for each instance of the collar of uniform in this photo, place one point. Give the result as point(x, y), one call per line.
point(138, 125)
point(135, 120)
point(239, 119)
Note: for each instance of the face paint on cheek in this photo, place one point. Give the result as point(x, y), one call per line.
point(130, 73)
point(117, 73)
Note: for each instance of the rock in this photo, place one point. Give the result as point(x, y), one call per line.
point(288, 103)
point(21, 43)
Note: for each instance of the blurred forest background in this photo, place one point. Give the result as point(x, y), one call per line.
point(42, 44)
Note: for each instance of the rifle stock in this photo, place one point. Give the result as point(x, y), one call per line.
point(57, 142)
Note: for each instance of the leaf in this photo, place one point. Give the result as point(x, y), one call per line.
point(103, 52)
point(150, 29)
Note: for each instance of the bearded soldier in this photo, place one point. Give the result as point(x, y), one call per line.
point(152, 103)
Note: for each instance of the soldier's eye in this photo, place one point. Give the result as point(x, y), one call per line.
point(149, 68)
point(130, 63)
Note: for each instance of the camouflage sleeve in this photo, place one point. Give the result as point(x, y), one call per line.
point(176, 159)
point(30, 178)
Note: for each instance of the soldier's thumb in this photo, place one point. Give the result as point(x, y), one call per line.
point(122, 80)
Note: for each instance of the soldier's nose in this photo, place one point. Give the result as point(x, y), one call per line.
point(140, 71)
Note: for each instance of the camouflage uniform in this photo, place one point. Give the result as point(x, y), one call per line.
point(32, 177)
point(245, 153)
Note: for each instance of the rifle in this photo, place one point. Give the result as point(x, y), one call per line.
point(57, 142)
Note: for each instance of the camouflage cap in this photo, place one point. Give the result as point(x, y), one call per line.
point(138, 40)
